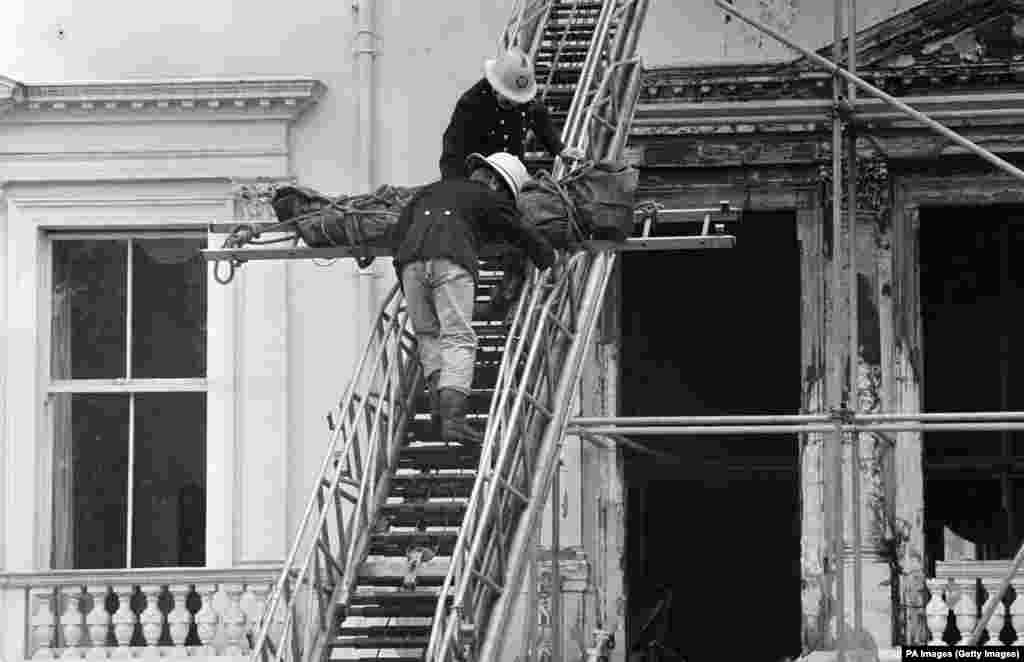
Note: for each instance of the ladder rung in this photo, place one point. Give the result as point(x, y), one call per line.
point(508, 486)
point(543, 408)
point(557, 322)
point(487, 580)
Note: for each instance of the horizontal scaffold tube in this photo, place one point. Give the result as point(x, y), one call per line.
point(701, 420)
point(811, 428)
point(741, 419)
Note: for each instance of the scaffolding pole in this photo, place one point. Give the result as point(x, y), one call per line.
point(838, 426)
point(775, 419)
point(854, 354)
point(856, 82)
point(834, 448)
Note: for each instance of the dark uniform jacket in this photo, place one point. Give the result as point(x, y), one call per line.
point(452, 218)
point(479, 124)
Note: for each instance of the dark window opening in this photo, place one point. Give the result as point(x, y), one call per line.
point(972, 291)
point(715, 333)
point(130, 459)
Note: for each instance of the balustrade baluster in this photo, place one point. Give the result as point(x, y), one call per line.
point(995, 624)
point(179, 618)
point(966, 609)
point(98, 622)
point(1017, 611)
point(152, 620)
point(937, 612)
point(259, 592)
point(124, 622)
point(233, 620)
point(72, 622)
point(206, 619)
point(43, 627)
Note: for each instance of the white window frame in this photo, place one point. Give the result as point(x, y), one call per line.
point(30, 220)
point(127, 385)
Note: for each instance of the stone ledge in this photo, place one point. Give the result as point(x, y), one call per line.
point(139, 576)
point(279, 97)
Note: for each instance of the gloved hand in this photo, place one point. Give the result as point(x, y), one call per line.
point(573, 153)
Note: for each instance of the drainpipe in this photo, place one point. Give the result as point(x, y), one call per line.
point(368, 280)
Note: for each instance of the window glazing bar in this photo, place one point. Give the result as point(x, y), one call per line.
point(188, 385)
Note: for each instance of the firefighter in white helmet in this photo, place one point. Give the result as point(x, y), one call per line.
point(442, 228)
point(495, 114)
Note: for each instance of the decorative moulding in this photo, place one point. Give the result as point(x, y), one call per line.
point(278, 98)
point(11, 91)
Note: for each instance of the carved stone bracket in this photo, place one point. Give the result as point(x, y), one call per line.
point(252, 199)
point(874, 187)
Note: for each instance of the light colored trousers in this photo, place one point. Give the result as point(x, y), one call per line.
point(439, 296)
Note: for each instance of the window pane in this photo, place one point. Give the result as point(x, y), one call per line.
point(90, 480)
point(169, 524)
point(168, 309)
point(89, 308)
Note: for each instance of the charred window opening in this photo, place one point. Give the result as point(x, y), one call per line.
point(714, 333)
point(972, 291)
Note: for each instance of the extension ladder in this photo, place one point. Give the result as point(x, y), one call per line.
point(408, 549)
point(542, 362)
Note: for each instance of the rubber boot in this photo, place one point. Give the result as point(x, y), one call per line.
point(435, 402)
point(454, 427)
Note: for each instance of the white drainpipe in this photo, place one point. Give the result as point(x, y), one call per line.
point(366, 53)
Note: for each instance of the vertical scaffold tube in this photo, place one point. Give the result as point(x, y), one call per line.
point(835, 457)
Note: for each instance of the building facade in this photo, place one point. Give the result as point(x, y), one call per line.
point(163, 430)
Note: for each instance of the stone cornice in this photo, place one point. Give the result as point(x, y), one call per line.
point(282, 98)
point(811, 115)
point(733, 84)
point(938, 47)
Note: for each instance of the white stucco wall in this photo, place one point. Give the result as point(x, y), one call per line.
point(428, 53)
point(437, 43)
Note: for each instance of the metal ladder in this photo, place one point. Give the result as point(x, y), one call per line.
point(542, 362)
point(366, 576)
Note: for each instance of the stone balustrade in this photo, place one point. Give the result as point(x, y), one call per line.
point(147, 614)
point(959, 592)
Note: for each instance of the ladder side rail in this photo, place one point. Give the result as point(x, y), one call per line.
point(382, 447)
point(572, 132)
point(631, 96)
point(621, 68)
point(514, 445)
point(497, 626)
point(339, 462)
point(259, 649)
point(480, 530)
point(373, 408)
point(510, 434)
point(389, 421)
point(524, 312)
point(532, 34)
point(487, 484)
point(518, 473)
point(366, 507)
point(550, 447)
point(524, 24)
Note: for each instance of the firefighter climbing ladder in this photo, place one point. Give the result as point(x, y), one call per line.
point(354, 585)
point(348, 562)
